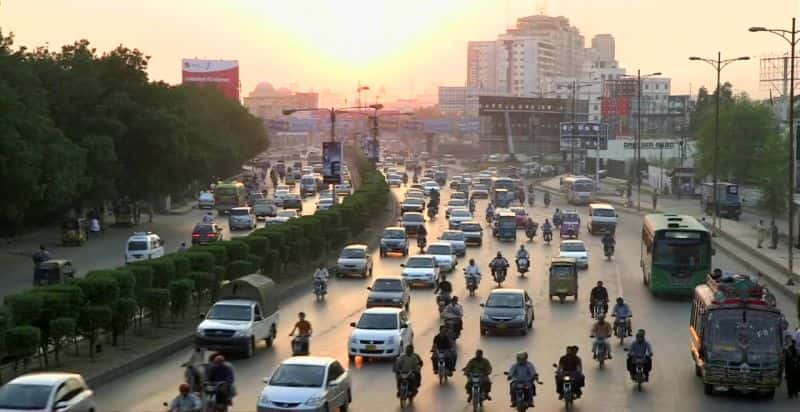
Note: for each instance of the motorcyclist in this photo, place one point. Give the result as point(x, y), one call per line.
point(444, 288)
point(321, 277)
point(601, 331)
point(490, 209)
point(208, 218)
point(471, 205)
point(472, 272)
point(433, 205)
point(530, 226)
point(599, 294)
point(422, 237)
point(608, 240)
point(409, 362)
point(547, 198)
point(547, 229)
point(640, 349)
point(221, 372)
point(186, 401)
point(522, 253)
point(303, 329)
point(454, 312)
point(41, 256)
point(434, 194)
point(442, 342)
point(195, 373)
point(498, 263)
point(570, 365)
point(480, 366)
point(558, 217)
point(622, 313)
point(523, 371)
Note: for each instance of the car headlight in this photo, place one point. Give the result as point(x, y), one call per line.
point(263, 399)
point(316, 400)
point(390, 340)
point(484, 316)
point(396, 300)
point(241, 333)
point(353, 340)
point(519, 317)
point(200, 332)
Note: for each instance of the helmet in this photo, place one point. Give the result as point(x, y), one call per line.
point(184, 388)
point(499, 254)
point(620, 300)
point(522, 356)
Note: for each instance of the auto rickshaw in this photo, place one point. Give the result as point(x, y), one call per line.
point(52, 272)
point(124, 214)
point(502, 198)
point(570, 224)
point(73, 231)
point(505, 226)
point(563, 278)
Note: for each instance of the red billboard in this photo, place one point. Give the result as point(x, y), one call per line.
point(222, 74)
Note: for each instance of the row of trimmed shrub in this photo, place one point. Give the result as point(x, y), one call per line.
point(113, 300)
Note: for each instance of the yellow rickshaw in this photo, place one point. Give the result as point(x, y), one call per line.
point(73, 231)
point(124, 214)
point(563, 278)
point(53, 272)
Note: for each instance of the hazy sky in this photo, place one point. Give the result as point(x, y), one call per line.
point(404, 45)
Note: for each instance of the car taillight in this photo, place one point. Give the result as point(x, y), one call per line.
point(195, 235)
point(212, 235)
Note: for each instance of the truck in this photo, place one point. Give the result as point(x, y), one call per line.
point(729, 204)
point(245, 313)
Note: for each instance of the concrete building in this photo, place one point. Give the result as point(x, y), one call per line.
point(452, 99)
point(590, 86)
point(482, 65)
point(567, 42)
point(267, 102)
point(603, 48)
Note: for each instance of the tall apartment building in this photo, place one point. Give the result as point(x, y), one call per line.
point(603, 48)
point(482, 65)
point(566, 40)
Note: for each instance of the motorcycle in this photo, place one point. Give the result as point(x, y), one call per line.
point(442, 300)
point(210, 391)
point(441, 367)
point(453, 328)
point(531, 200)
point(405, 393)
point(432, 212)
point(599, 308)
point(300, 345)
point(608, 250)
point(472, 207)
point(521, 398)
point(476, 391)
point(621, 330)
point(547, 236)
point(546, 200)
point(639, 375)
point(557, 221)
point(523, 264)
point(472, 284)
point(320, 289)
point(499, 275)
point(489, 217)
point(421, 243)
point(530, 232)
point(601, 351)
point(567, 392)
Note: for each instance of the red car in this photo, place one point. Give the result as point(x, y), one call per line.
point(522, 216)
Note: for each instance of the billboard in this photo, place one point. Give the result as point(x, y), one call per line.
point(332, 157)
point(222, 74)
point(583, 135)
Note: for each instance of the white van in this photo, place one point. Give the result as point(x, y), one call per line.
point(308, 185)
point(602, 217)
point(143, 246)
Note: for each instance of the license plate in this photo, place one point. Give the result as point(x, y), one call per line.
point(501, 326)
point(562, 291)
point(371, 347)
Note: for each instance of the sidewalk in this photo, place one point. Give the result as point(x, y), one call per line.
point(737, 238)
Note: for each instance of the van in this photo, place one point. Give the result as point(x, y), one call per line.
point(308, 185)
point(602, 217)
point(143, 246)
point(242, 218)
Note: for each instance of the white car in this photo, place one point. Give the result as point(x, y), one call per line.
point(281, 195)
point(428, 186)
point(342, 189)
point(206, 200)
point(575, 248)
point(143, 246)
point(444, 254)
point(394, 180)
point(454, 204)
point(53, 391)
point(282, 216)
point(354, 260)
point(380, 333)
point(421, 270)
point(458, 195)
point(415, 194)
point(306, 383)
point(457, 216)
point(325, 203)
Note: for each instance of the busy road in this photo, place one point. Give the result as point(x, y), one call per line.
point(672, 384)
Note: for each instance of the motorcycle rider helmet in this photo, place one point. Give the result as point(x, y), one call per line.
point(184, 388)
point(522, 356)
point(454, 299)
point(620, 300)
point(499, 255)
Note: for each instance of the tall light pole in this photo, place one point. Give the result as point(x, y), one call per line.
point(718, 64)
point(575, 86)
point(637, 153)
point(791, 37)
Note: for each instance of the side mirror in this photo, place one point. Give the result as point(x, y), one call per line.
point(483, 305)
point(369, 287)
point(402, 265)
point(257, 318)
point(333, 384)
point(61, 405)
point(202, 316)
point(352, 324)
point(266, 379)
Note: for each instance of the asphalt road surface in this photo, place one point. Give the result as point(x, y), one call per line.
point(672, 387)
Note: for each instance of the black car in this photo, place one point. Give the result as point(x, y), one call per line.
point(293, 201)
point(412, 221)
point(205, 233)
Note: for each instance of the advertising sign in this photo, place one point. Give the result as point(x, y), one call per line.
point(222, 74)
point(332, 157)
point(583, 135)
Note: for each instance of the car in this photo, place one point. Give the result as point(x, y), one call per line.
point(507, 310)
point(394, 239)
point(444, 254)
point(143, 246)
point(453, 204)
point(282, 216)
point(380, 333)
point(51, 391)
point(473, 232)
point(412, 221)
point(458, 195)
point(479, 191)
point(416, 186)
point(289, 179)
point(205, 200)
point(265, 208)
point(293, 201)
point(521, 215)
point(574, 248)
point(325, 203)
point(255, 196)
point(429, 186)
point(456, 239)
point(394, 180)
point(306, 383)
point(412, 205)
point(454, 182)
point(242, 218)
point(342, 189)
point(389, 292)
point(421, 270)
point(354, 260)
point(457, 216)
point(205, 233)
point(415, 194)
point(326, 194)
point(280, 195)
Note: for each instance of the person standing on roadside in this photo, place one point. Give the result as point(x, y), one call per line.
point(773, 233)
point(762, 232)
point(792, 369)
point(655, 200)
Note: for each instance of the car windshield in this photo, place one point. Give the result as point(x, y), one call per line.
point(16, 396)
point(470, 227)
point(460, 213)
point(353, 254)
point(504, 300)
point(453, 236)
point(455, 202)
point(225, 191)
point(480, 187)
point(571, 217)
point(239, 212)
point(573, 247)
point(387, 285)
point(134, 245)
point(203, 229)
point(419, 262)
point(414, 201)
point(394, 234)
point(299, 376)
point(730, 329)
point(412, 218)
point(377, 321)
point(287, 213)
point(603, 213)
point(439, 250)
point(229, 312)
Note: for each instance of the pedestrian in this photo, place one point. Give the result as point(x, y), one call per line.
point(137, 214)
point(150, 213)
point(182, 248)
point(94, 226)
point(42, 255)
point(762, 232)
point(773, 232)
point(792, 369)
point(655, 200)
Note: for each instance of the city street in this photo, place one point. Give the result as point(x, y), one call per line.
point(672, 386)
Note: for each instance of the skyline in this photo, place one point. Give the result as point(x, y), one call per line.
point(421, 43)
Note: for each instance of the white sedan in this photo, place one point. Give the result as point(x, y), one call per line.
point(307, 383)
point(444, 254)
point(428, 186)
point(380, 333)
point(575, 248)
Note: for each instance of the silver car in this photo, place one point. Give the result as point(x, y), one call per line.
point(306, 383)
point(242, 218)
point(45, 392)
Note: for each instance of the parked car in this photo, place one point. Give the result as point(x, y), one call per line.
point(394, 239)
point(380, 333)
point(457, 239)
point(389, 292)
point(354, 260)
point(507, 310)
point(205, 233)
point(575, 248)
point(242, 218)
point(46, 392)
point(307, 383)
point(444, 254)
point(421, 270)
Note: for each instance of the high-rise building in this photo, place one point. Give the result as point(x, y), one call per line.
point(603, 47)
point(482, 65)
point(567, 41)
point(267, 102)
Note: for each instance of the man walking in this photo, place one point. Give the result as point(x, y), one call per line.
point(655, 200)
point(762, 232)
point(773, 232)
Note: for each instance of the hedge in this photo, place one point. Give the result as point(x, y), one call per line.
point(220, 253)
point(236, 250)
point(258, 244)
point(180, 294)
point(163, 271)
point(143, 275)
point(239, 268)
point(98, 290)
point(22, 342)
point(203, 261)
point(182, 265)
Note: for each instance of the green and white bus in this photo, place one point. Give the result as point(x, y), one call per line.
point(676, 253)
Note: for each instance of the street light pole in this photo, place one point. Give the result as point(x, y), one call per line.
point(637, 152)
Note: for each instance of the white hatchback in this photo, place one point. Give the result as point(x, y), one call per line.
point(421, 270)
point(306, 383)
point(380, 333)
point(575, 248)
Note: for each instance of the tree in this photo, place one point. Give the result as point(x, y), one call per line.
point(773, 175)
point(61, 331)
